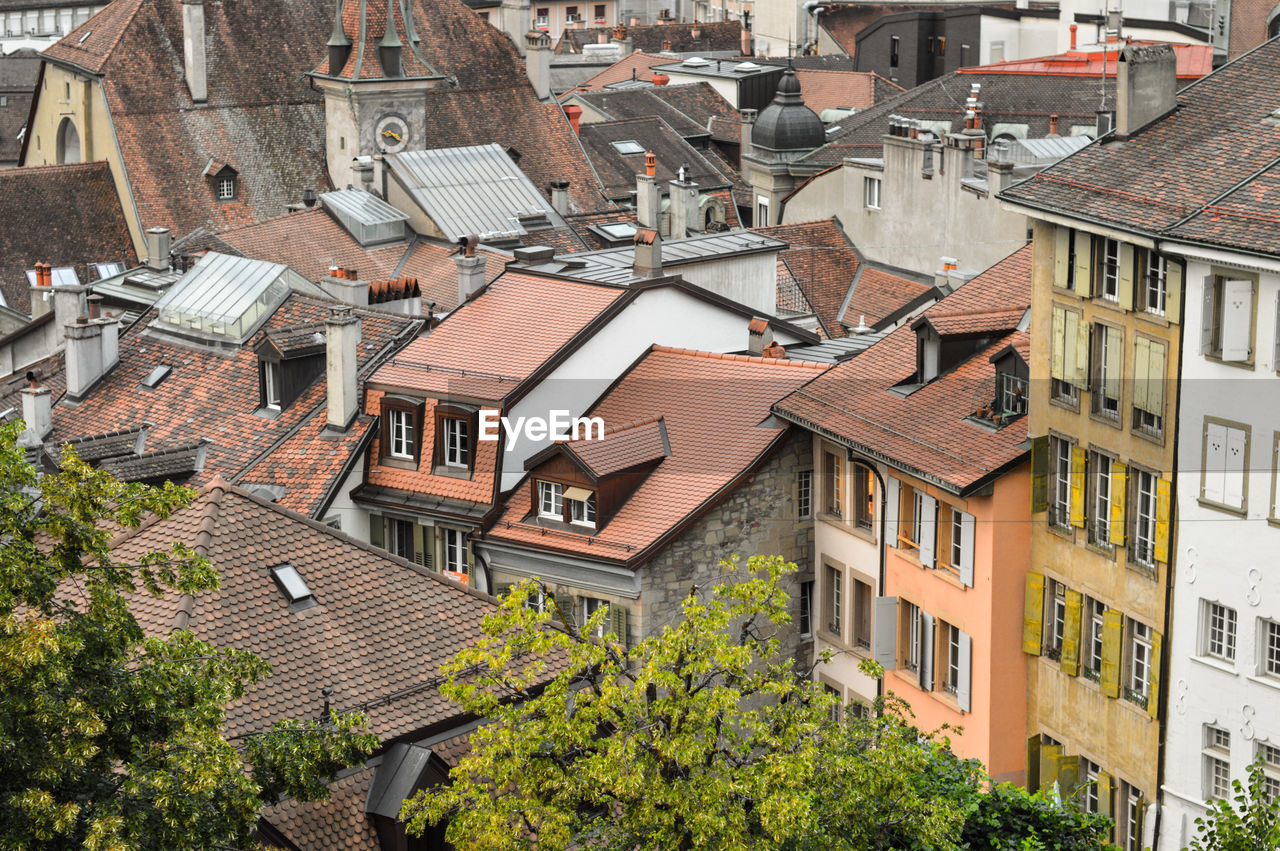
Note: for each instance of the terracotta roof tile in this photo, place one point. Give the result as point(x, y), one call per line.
point(975, 322)
point(837, 89)
point(879, 294)
point(622, 447)
point(712, 36)
point(618, 171)
point(637, 66)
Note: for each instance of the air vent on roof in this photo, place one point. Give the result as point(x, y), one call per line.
point(294, 588)
point(157, 375)
point(696, 62)
point(745, 67)
point(87, 33)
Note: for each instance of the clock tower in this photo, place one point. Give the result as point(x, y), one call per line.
point(373, 80)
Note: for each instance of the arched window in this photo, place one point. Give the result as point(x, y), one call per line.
point(68, 142)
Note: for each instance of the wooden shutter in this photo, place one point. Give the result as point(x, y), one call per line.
point(1163, 507)
point(1078, 459)
point(438, 549)
point(1112, 635)
point(1233, 480)
point(1033, 762)
point(618, 622)
point(1068, 774)
point(964, 685)
point(376, 530)
point(891, 508)
point(1124, 275)
point(1039, 473)
point(1119, 493)
point(1173, 276)
point(1058, 345)
point(1153, 692)
point(1141, 372)
point(1084, 264)
point(1237, 320)
point(1104, 794)
point(1071, 633)
point(1155, 380)
point(1049, 756)
point(1115, 361)
point(471, 563)
point(1080, 364)
point(926, 651)
point(1208, 316)
point(1214, 463)
point(927, 529)
point(884, 643)
point(419, 547)
point(1033, 615)
point(968, 527)
point(1070, 330)
point(1140, 818)
point(1061, 257)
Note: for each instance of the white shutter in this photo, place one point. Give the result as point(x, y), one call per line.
point(967, 529)
point(1237, 320)
point(891, 511)
point(1115, 352)
point(1207, 318)
point(884, 642)
point(1070, 328)
point(926, 651)
point(1155, 384)
point(927, 524)
point(1233, 483)
point(1215, 461)
point(1275, 479)
point(1057, 355)
point(1141, 372)
point(964, 686)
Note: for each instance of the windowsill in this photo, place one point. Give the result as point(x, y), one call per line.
point(1262, 680)
point(1057, 290)
point(1073, 407)
point(1147, 571)
point(1158, 319)
point(1114, 306)
point(1107, 552)
point(947, 699)
point(1067, 533)
point(1238, 364)
point(1106, 419)
point(1243, 511)
point(1274, 521)
point(1216, 664)
point(451, 472)
point(267, 413)
point(948, 576)
point(1157, 439)
point(398, 463)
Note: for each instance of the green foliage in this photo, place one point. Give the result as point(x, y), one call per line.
point(1250, 821)
point(109, 738)
point(1010, 819)
point(701, 736)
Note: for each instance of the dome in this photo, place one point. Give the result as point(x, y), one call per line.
point(787, 124)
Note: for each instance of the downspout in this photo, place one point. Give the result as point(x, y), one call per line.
point(810, 10)
point(884, 505)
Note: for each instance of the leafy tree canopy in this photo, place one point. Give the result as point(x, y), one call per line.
point(110, 738)
point(1249, 821)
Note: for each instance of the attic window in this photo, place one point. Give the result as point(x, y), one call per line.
point(155, 376)
point(226, 188)
point(1011, 394)
point(582, 506)
point(628, 146)
point(294, 588)
point(108, 270)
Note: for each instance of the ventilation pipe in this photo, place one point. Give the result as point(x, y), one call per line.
point(158, 248)
point(560, 196)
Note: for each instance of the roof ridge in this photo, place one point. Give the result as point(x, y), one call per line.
point(215, 490)
point(125, 18)
point(626, 426)
point(697, 353)
point(92, 165)
point(977, 312)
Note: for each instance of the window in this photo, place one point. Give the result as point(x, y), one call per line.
point(1108, 343)
point(542, 18)
point(862, 597)
point(550, 500)
point(1069, 357)
point(1139, 680)
point(1148, 386)
point(226, 188)
point(628, 146)
point(1218, 631)
point(1225, 463)
point(837, 702)
point(399, 537)
point(589, 607)
point(600, 14)
point(4, 100)
point(457, 449)
point(571, 13)
point(871, 192)
point(1270, 756)
point(1143, 550)
point(864, 495)
point(1056, 620)
point(762, 211)
point(1226, 329)
point(401, 433)
point(833, 473)
point(1059, 482)
point(583, 511)
point(292, 584)
point(1269, 649)
point(1095, 614)
point(537, 599)
point(955, 542)
point(894, 43)
point(271, 385)
point(806, 608)
point(835, 601)
point(1100, 500)
point(1129, 827)
point(455, 550)
point(1089, 772)
point(949, 653)
point(1217, 763)
point(1110, 289)
point(804, 494)
point(911, 644)
point(1152, 297)
point(1011, 393)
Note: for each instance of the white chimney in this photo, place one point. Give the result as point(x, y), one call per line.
point(648, 196)
point(470, 270)
point(37, 413)
point(343, 285)
point(684, 206)
point(69, 304)
point(1146, 86)
point(748, 117)
point(342, 337)
point(759, 336)
point(84, 357)
point(537, 62)
point(516, 21)
point(560, 196)
point(648, 253)
point(158, 246)
point(193, 49)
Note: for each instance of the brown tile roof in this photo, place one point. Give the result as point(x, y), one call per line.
point(621, 447)
point(823, 262)
point(927, 431)
point(18, 73)
point(975, 321)
point(432, 264)
point(340, 823)
point(712, 36)
point(67, 215)
point(837, 89)
point(637, 66)
point(688, 108)
point(618, 171)
point(712, 406)
point(699, 101)
point(1207, 172)
point(879, 293)
point(365, 23)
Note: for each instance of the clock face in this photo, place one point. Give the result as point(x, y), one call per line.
point(392, 133)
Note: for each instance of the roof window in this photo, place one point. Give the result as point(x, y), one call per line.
point(295, 589)
point(155, 376)
point(628, 146)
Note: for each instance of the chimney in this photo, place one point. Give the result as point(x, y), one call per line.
point(748, 124)
point(69, 302)
point(661, 79)
point(193, 49)
point(560, 196)
point(759, 336)
point(37, 412)
point(83, 357)
point(684, 205)
point(339, 45)
point(648, 196)
point(940, 277)
point(648, 253)
point(537, 62)
point(42, 292)
point(1053, 125)
point(344, 286)
point(470, 269)
point(573, 112)
point(158, 249)
point(342, 336)
point(747, 48)
point(666, 45)
point(516, 21)
point(1146, 86)
point(622, 38)
point(1073, 37)
point(390, 47)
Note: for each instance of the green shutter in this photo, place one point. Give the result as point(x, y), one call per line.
point(1112, 633)
point(1033, 763)
point(1084, 264)
point(1104, 794)
point(1049, 757)
point(1068, 774)
point(1071, 634)
point(1141, 372)
point(1080, 366)
point(420, 546)
point(1119, 493)
point(1153, 693)
point(1156, 379)
point(618, 622)
point(375, 531)
point(1033, 615)
point(1039, 473)
point(1173, 292)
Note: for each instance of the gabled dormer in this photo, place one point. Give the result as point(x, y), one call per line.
point(289, 360)
point(944, 341)
point(224, 179)
point(581, 484)
point(1008, 399)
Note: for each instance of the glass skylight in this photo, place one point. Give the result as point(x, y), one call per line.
point(628, 146)
point(291, 582)
point(224, 296)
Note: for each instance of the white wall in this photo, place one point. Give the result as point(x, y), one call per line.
point(1026, 38)
point(728, 89)
point(750, 279)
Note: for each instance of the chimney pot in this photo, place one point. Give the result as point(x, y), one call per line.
point(158, 247)
point(1073, 36)
point(648, 253)
point(650, 164)
point(574, 113)
point(471, 277)
point(560, 196)
point(95, 306)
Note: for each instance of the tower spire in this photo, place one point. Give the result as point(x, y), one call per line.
point(339, 45)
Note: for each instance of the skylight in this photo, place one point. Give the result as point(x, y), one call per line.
point(157, 375)
point(628, 146)
point(619, 230)
point(108, 270)
point(291, 582)
point(227, 297)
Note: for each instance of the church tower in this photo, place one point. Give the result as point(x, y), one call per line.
point(373, 81)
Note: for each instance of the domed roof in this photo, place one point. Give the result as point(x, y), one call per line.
point(787, 124)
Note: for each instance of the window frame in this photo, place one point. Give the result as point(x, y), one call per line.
point(1218, 626)
point(1142, 524)
point(271, 375)
point(912, 626)
point(413, 410)
point(1216, 761)
point(589, 607)
point(585, 507)
point(1155, 280)
point(1099, 499)
point(1104, 337)
point(1055, 606)
point(948, 673)
point(1215, 300)
point(861, 597)
point(1229, 426)
point(454, 543)
point(225, 188)
point(1059, 486)
point(1139, 642)
point(545, 488)
point(393, 529)
point(833, 601)
point(804, 494)
point(1093, 622)
point(805, 621)
point(864, 496)
point(1268, 648)
point(1109, 270)
point(833, 484)
point(871, 192)
point(457, 448)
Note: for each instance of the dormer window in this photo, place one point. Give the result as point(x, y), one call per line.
point(271, 385)
point(582, 506)
point(457, 448)
point(226, 189)
point(401, 433)
point(1012, 394)
point(551, 500)
point(454, 432)
point(225, 179)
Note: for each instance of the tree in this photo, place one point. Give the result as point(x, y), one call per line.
point(1251, 823)
point(109, 738)
point(1009, 819)
point(701, 736)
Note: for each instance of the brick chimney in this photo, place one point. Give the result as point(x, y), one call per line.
point(622, 38)
point(93, 348)
point(560, 196)
point(648, 253)
point(759, 336)
point(1146, 86)
point(573, 112)
point(193, 60)
point(37, 412)
point(158, 245)
point(684, 205)
point(342, 337)
point(345, 286)
point(470, 269)
point(537, 62)
point(648, 195)
point(42, 292)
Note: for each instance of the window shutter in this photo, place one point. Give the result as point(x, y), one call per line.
point(1275, 355)
point(375, 531)
point(1070, 353)
point(1173, 291)
point(968, 527)
point(964, 686)
point(1140, 818)
point(1112, 632)
point(1049, 756)
point(437, 548)
point(1058, 344)
point(1061, 256)
point(1214, 463)
point(1237, 320)
point(1153, 693)
point(884, 644)
point(471, 563)
point(1141, 372)
point(1071, 633)
point(1033, 762)
point(1084, 264)
point(1115, 358)
point(926, 651)
point(1207, 316)
point(1156, 379)
point(618, 623)
point(1033, 615)
point(891, 511)
point(1039, 473)
point(565, 606)
point(1233, 481)
point(1081, 363)
point(1078, 458)
point(1163, 504)
point(1119, 492)
point(419, 424)
point(927, 524)
point(1124, 276)
point(1104, 794)
point(419, 547)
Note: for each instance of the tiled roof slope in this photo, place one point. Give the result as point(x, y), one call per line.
point(637, 66)
point(699, 101)
point(926, 432)
point(1207, 172)
point(879, 293)
point(713, 407)
point(833, 89)
point(618, 171)
point(652, 101)
point(18, 72)
point(67, 215)
point(712, 36)
point(365, 24)
point(621, 447)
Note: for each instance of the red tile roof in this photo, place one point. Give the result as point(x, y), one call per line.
point(637, 66)
point(836, 89)
point(1194, 61)
point(621, 447)
point(878, 294)
point(365, 22)
point(975, 322)
point(713, 407)
point(927, 431)
point(823, 262)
